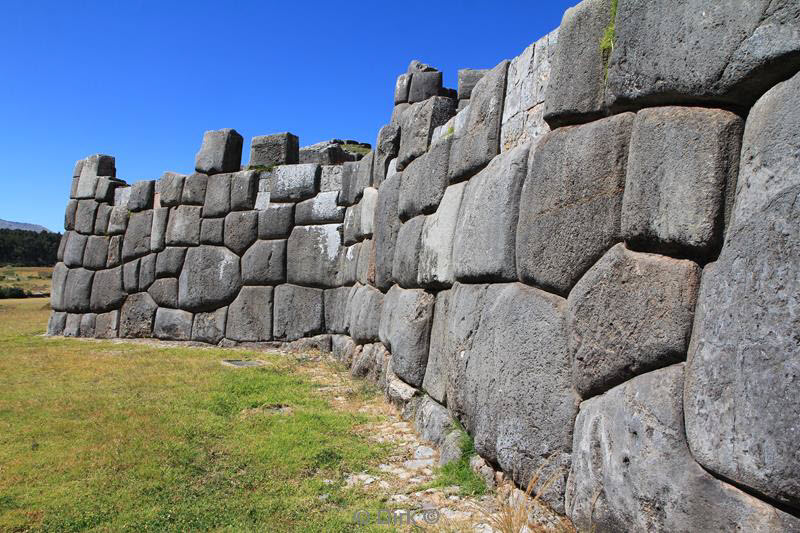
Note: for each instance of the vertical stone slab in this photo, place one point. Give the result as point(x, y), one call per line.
point(221, 152)
point(418, 124)
point(313, 255)
point(387, 226)
point(438, 234)
point(298, 312)
point(137, 316)
point(250, 315)
point(405, 326)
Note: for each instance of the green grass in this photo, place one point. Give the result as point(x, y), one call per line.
point(607, 40)
point(355, 148)
point(29, 279)
point(459, 472)
point(104, 436)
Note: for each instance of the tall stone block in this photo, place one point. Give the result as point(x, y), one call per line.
point(209, 327)
point(183, 228)
point(386, 148)
point(405, 267)
point(137, 316)
point(210, 278)
point(275, 149)
point(264, 263)
point(221, 152)
point(313, 253)
point(418, 124)
point(424, 181)
point(438, 234)
point(137, 237)
point(298, 312)
point(387, 225)
point(250, 315)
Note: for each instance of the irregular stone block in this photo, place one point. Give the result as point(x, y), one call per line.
point(386, 148)
point(221, 152)
point(114, 257)
point(352, 184)
point(293, 183)
point(365, 314)
point(87, 327)
point(432, 421)
point(147, 271)
point(170, 261)
point(632, 469)
point(367, 213)
point(330, 178)
point(101, 219)
point(438, 235)
point(92, 167)
point(137, 237)
point(275, 222)
point(418, 124)
point(679, 187)
point(107, 290)
point(244, 188)
point(210, 278)
point(313, 252)
point(107, 325)
point(571, 202)
point(209, 327)
point(62, 244)
point(77, 290)
point(298, 312)
point(485, 235)
point(212, 231)
point(366, 263)
point(398, 113)
point(74, 249)
point(159, 231)
point(424, 85)
point(405, 330)
point(321, 209)
point(335, 301)
point(479, 141)
point(217, 196)
point(130, 276)
point(164, 292)
point(121, 196)
point(352, 225)
point(58, 287)
point(348, 264)
point(106, 189)
point(467, 78)
point(405, 269)
point(275, 149)
point(386, 227)
point(69, 214)
point(141, 196)
point(264, 263)
point(241, 230)
point(84, 216)
point(435, 380)
point(424, 181)
point(137, 315)
point(250, 315)
point(173, 324)
point(401, 87)
point(72, 325)
point(118, 220)
point(194, 189)
point(613, 335)
point(171, 188)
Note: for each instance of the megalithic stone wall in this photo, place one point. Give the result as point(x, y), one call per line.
point(589, 255)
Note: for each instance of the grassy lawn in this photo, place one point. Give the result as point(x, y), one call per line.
point(106, 436)
point(32, 279)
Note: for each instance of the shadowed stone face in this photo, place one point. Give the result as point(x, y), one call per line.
point(210, 278)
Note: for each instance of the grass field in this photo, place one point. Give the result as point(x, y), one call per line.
point(105, 436)
point(32, 279)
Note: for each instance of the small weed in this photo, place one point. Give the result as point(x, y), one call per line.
point(459, 472)
point(355, 148)
point(607, 41)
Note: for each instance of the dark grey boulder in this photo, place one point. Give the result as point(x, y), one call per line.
point(212, 231)
point(210, 278)
point(217, 196)
point(418, 124)
point(572, 201)
point(74, 249)
point(137, 315)
point(173, 324)
point(293, 183)
point(107, 325)
point(438, 234)
point(130, 276)
point(62, 244)
point(405, 326)
point(244, 189)
point(365, 314)
point(164, 292)
point(405, 267)
point(170, 261)
point(158, 232)
point(401, 87)
point(106, 189)
point(680, 181)
point(183, 228)
point(424, 85)
point(386, 148)
point(241, 230)
point(632, 469)
point(351, 186)
point(613, 335)
point(467, 79)
point(250, 315)
point(275, 149)
point(485, 235)
point(386, 227)
point(142, 195)
point(147, 271)
point(335, 301)
point(137, 236)
point(58, 287)
point(77, 290)
point(84, 216)
point(264, 263)
point(69, 214)
point(117, 220)
point(313, 253)
point(298, 312)
point(194, 189)
point(221, 152)
point(321, 209)
point(209, 327)
point(107, 290)
point(276, 221)
point(171, 188)
point(424, 181)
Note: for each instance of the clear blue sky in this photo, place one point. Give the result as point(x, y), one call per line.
point(143, 80)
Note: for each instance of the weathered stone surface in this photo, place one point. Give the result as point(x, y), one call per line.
point(96, 252)
point(137, 315)
point(321, 209)
point(386, 148)
point(130, 276)
point(106, 189)
point(159, 230)
point(62, 244)
point(121, 196)
point(107, 325)
point(298, 312)
point(276, 221)
point(479, 141)
point(328, 152)
point(72, 325)
point(485, 235)
point(147, 271)
point(730, 55)
point(632, 470)
point(275, 149)
point(101, 219)
point(69, 214)
point(352, 187)
point(77, 290)
point(351, 230)
point(424, 85)
point(313, 253)
point(398, 112)
point(418, 124)
point(194, 189)
point(142, 194)
point(173, 324)
point(348, 264)
point(424, 181)
point(210, 278)
point(467, 78)
point(336, 309)
point(212, 231)
point(92, 167)
point(432, 421)
point(217, 196)
point(613, 333)
point(58, 287)
point(244, 188)
point(405, 330)
point(679, 187)
point(365, 314)
point(171, 188)
point(84, 216)
point(137, 236)
point(293, 183)
point(170, 261)
point(117, 220)
point(164, 292)
point(107, 290)
point(341, 346)
point(330, 178)
point(209, 327)
point(87, 327)
point(401, 87)
point(114, 257)
point(241, 230)
point(571, 202)
point(221, 152)
point(318, 343)
point(264, 263)
point(576, 92)
point(250, 315)
point(386, 227)
point(367, 213)
point(74, 249)
point(405, 269)
point(435, 380)
point(438, 235)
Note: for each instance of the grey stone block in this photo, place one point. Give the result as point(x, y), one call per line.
point(571, 202)
point(313, 252)
point(298, 312)
point(170, 261)
point(679, 187)
point(467, 78)
point(69, 214)
point(209, 327)
point(72, 325)
point(386, 227)
point(632, 468)
point(275, 149)
point(321, 209)
point(264, 263)
point(293, 183)
point(212, 231)
point(365, 314)
point(405, 327)
point(62, 244)
point(424, 85)
point(366, 263)
point(159, 230)
point(173, 324)
point(244, 188)
point(418, 124)
point(118, 220)
point(485, 235)
point(121, 196)
point(101, 219)
point(58, 287)
point(137, 237)
point(194, 189)
point(405, 269)
point(106, 189)
point(352, 187)
point(221, 152)
point(77, 290)
point(241, 230)
point(107, 325)
point(386, 148)
point(217, 196)
point(130, 276)
point(335, 301)
point(147, 271)
point(436, 371)
point(479, 141)
point(84, 216)
point(137, 315)
point(398, 112)
point(330, 178)
point(114, 257)
point(107, 290)
point(613, 335)
point(87, 327)
point(424, 181)
point(276, 221)
point(142, 195)
point(250, 315)
point(348, 264)
point(352, 225)
point(210, 278)
point(438, 235)
point(432, 421)
point(171, 188)
point(401, 88)
point(184, 226)
point(164, 292)
point(92, 167)
point(74, 249)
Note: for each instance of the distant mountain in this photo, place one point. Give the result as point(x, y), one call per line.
point(6, 224)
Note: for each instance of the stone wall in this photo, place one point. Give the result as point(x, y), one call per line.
point(588, 255)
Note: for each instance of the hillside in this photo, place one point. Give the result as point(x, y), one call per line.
point(7, 224)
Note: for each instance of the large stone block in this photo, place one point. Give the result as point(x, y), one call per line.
point(158, 233)
point(58, 287)
point(170, 262)
point(386, 148)
point(142, 195)
point(330, 178)
point(365, 314)
point(117, 220)
point(438, 235)
point(424, 181)
point(571, 202)
point(276, 221)
point(730, 54)
point(137, 315)
point(217, 196)
point(336, 309)
point(632, 470)
point(479, 141)
point(313, 253)
point(244, 190)
point(221, 152)
point(386, 227)
point(95, 255)
point(405, 327)
point(250, 315)
point(171, 188)
point(241, 230)
point(130, 276)
point(418, 124)
point(183, 228)
point(264, 263)
point(467, 78)
point(147, 271)
point(401, 87)
point(210, 278)
point(74, 248)
point(613, 333)
point(485, 235)
point(92, 167)
point(436, 371)
point(114, 257)
point(106, 189)
point(69, 214)
point(275, 149)
point(348, 264)
point(107, 290)
point(321, 209)
point(77, 290)
point(137, 237)
point(164, 292)
point(107, 325)
point(173, 324)
point(298, 312)
point(354, 181)
point(681, 177)
point(212, 231)
point(84, 216)
point(194, 189)
point(293, 183)
point(88, 322)
point(424, 85)
point(101, 219)
point(351, 230)
point(405, 266)
point(365, 269)
point(209, 327)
